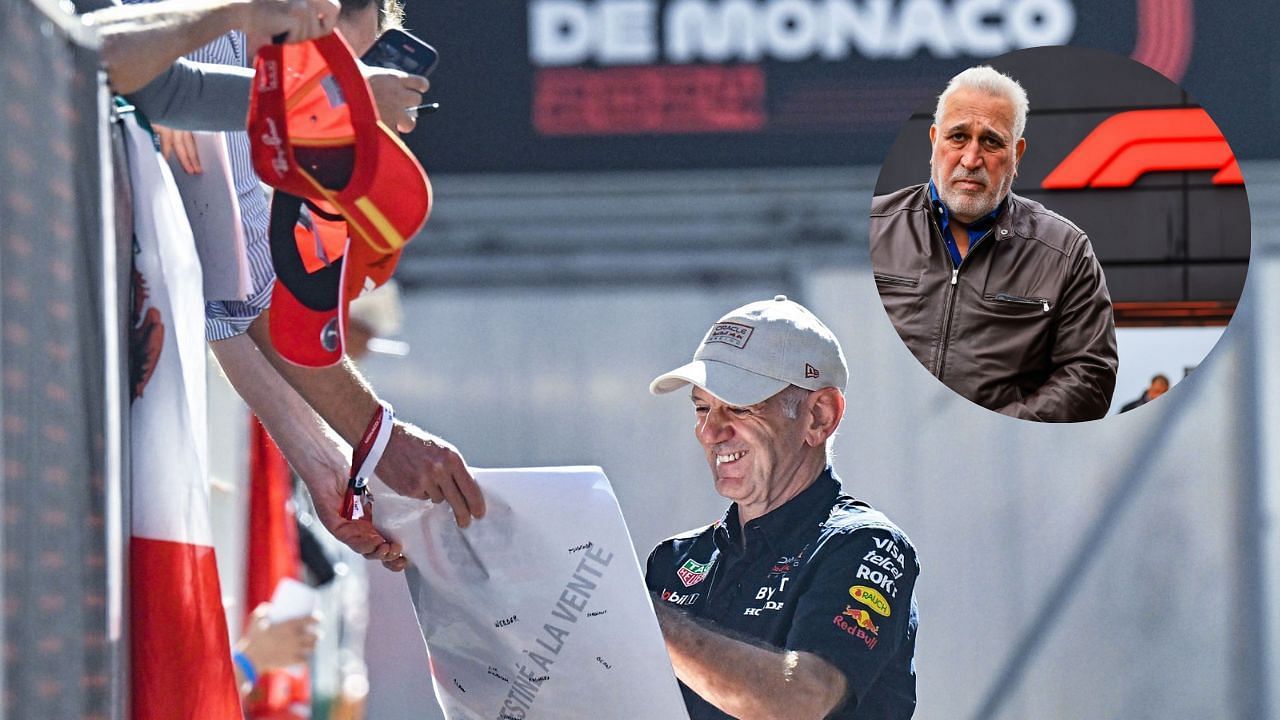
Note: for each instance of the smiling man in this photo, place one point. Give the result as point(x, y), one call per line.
point(1000, 298)
point(800, 601)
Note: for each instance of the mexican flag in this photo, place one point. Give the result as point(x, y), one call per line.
point(181, 655)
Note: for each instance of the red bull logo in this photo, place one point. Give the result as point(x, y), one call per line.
point(786, 564)
point(868, 639)
point(862, 618)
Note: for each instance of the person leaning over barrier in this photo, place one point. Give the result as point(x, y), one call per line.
point(800, 601)
point(1000, 298)
point(142, 45)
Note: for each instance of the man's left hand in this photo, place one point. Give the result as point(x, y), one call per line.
point(359, 535)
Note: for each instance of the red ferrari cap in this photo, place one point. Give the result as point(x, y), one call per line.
point(314, 133)
point(319, 271)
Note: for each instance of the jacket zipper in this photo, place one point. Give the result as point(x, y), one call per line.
point(1006, 297)
point(941, 360)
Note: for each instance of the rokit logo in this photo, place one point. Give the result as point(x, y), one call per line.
point(884, 580)
point(636, 32)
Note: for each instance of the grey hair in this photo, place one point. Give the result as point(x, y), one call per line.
point(987, 79)
point(789, 399)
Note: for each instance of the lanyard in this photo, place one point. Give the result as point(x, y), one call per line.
point(364, 460)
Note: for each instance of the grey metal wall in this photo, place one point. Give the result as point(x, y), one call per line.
point(61, 378)
point(1110, 569)
point(1265, 489)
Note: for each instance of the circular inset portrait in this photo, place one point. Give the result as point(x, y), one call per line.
point(1062, 236)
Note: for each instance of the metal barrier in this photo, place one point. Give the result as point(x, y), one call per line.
point(59, 359)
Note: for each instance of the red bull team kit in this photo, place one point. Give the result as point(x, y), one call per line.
point(824, 574)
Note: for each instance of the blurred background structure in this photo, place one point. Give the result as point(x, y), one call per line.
point(613, 175)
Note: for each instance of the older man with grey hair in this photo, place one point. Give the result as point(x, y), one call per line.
point(1000, 298)
point(800, 601)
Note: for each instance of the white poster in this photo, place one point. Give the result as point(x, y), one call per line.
point(538, 610)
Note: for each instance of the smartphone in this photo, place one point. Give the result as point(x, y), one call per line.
point(402, 51)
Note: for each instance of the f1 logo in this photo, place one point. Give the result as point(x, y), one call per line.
point(1126, 146)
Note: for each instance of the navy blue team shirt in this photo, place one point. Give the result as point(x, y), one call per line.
point(824, 574)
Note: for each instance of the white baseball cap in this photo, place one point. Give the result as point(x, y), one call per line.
point(757, 350)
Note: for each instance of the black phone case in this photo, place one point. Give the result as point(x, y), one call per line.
point(402, 51)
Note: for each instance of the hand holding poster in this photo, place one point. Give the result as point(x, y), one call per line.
point(539, 610)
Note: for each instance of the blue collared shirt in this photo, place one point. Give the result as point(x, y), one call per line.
point(977, 229)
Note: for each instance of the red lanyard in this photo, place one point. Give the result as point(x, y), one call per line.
point(364, 460)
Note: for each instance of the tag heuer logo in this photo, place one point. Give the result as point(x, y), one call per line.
point(810, 371)
point(692, 573)
point(730, 334)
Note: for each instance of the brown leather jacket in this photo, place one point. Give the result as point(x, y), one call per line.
point(1024, 326)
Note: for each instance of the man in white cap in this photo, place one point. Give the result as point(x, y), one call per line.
point(800, 601)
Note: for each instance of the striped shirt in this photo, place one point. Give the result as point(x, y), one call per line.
point(227, 318)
